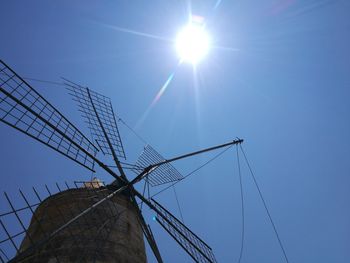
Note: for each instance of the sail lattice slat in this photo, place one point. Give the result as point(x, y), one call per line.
point(25, 109)
point(189, 241)
point(97, 110)
point(165, 173)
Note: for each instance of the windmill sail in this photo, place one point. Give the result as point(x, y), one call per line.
point(97, 110)
point(101, 214)
point(24, 109)
point(190, 242)
point(162, 174)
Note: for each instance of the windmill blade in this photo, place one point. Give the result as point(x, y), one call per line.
point(146, 229)
point(162, 174)
point(24, 109)
point(190, 242)
point(98, 112)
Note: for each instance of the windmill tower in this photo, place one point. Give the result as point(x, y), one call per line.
point(89, 222)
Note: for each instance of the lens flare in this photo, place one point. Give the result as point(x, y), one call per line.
point(192, 43)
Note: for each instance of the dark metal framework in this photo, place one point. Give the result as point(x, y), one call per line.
point(160, 174)
point(98, 112)
point(188, 240)
point(26, 110)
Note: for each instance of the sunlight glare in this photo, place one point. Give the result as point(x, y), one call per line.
point(192, 43)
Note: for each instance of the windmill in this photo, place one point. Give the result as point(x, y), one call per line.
point(90, 222)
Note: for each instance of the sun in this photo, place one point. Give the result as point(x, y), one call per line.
point(192, 43)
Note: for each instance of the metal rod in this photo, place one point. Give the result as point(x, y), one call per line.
point(102, 165)
point(19, 209)
point(18, 218)
point(183, 225)
point(9, 236)
point(174, 237)
point(148, 234)
point(15, 74)
point(13, 236)
point(38, 222)
point(116, 160)
point(153, 207)
point(4, 255)
point(153, 166)
point(47, 123)
point(239, 141)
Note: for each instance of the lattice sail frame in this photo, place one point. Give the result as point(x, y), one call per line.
point(190, 242)
point(97, 110)
point(24, 109)
point(165, 173)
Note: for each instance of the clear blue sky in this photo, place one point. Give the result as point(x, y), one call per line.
point(278, 77)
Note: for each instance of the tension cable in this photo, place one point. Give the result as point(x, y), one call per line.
point(242, 205)
point(265, 205)
point(194, 171)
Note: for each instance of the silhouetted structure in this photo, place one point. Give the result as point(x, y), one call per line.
point(94, 222)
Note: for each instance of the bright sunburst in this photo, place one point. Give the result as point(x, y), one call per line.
point(192, 43)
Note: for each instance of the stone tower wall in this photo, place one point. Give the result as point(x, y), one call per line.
point(109, 233)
